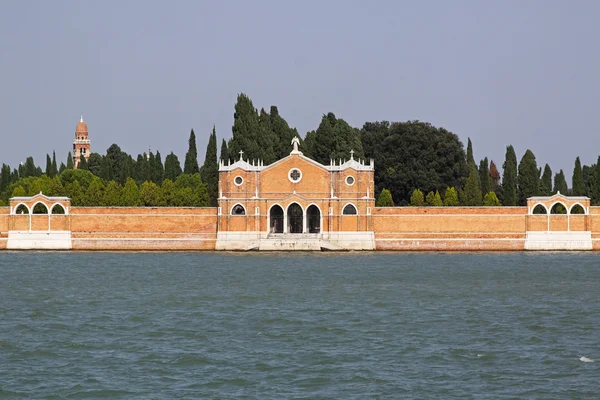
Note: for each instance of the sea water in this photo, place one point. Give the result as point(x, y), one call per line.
point(299, 326)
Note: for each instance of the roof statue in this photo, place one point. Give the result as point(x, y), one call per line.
point(295, 143)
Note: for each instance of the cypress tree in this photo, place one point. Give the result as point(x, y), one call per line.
point(484, 176)
point(470, 158)
point(69, 161)
point(106, 169)
point(62, 168)
point(172, 167)
point(210, 170)
point(83, 165)
point(578, 184)
point(54, 167)
point(159, 170)
point(528, 177)
point(546, 181)
point(246, 128)
point(596, 189)
point(5, 177)
point(560, 183)
point(49, 166)
point(471, 191)
point(509, 177)
point(224, 152)
point(191, 157)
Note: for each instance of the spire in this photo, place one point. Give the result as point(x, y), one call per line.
point(81, 119)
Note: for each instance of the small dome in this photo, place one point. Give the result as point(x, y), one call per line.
point(81, 126)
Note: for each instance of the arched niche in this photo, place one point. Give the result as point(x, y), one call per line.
point(21, 209)
point(539, 209)
point(57, 209)
point(558, 208)
point(40, 208)
point(577, 209)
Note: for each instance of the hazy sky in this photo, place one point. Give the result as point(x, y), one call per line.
point(143, 73)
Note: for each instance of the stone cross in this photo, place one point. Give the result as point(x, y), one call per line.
point(352, 154)
point(241, 154)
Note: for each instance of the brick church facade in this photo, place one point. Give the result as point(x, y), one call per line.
point(295, 203)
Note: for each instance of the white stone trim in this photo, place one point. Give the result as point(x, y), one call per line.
point(44, 204)
point(290, 172)
point(238, 184)
point(353, 180)
point(13, 210)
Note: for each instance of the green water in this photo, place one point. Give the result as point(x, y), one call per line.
point(299, 326)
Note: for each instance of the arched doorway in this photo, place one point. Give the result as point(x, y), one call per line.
point(313, 217)
point(295, 217)
point(276, 220)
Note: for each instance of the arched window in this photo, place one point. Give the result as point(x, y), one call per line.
point(238, 209)
point(40, 208)
point(349, 209)
point(57, 209)
point(558, 208)
point(577, 209)
point(22, 209)
point(539, 209)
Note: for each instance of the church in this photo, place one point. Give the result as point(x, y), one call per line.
point(296, 203)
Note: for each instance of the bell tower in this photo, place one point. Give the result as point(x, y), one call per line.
point(81, 144)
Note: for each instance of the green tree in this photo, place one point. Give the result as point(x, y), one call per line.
point(385, 199)
point(95, 164)
point(509, 178)
point(334, 139)
point(578, 184)
point(94, 194)
point(450, 197)
point(528, 177)
point(224, 152)
point(69, 161)
point(413, 154)
point(546, 181)
point(471, 191)
point(596, 188)
point(48, 165)
point(76, 192)
point(62, 168)
point(416, 198)
point(83, 165)
point(246, 130)
point(283, 134)
point(19, 191)
point(434, 199)
point(484, 176)
point(54, 167)
point(169, 193)
point(150, 195)
point(116, 159)
point(210, 170)
point(491, 200)
point(191, 157)
point(158, 169)
point(192, 191)
point(112, 194)
point(470, 158)
point(560, 183)
point(130, 195)
point(5, 177)
point(172, 167)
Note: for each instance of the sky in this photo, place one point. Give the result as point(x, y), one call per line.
point(143, 73)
